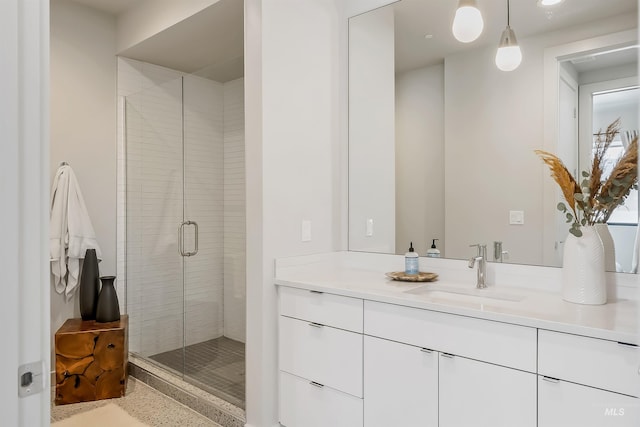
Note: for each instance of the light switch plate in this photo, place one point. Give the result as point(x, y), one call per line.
point(369, 231)
point(516, 217)
point(306, 231)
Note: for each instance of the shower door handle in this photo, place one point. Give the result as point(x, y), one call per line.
point(195, 225)
point(181, 238)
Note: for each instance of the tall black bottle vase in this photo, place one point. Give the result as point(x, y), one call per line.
point(108, 309)
point(89, 285)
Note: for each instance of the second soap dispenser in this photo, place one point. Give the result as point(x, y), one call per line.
point(433, 252)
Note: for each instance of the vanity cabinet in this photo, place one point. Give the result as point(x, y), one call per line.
point(351, 362)
point(400, 384)
point(503, 344)
point(320, 359)
point(565, 404)
point(304, 404)
point(415, 373)
point(474, 393)
point(586, 381)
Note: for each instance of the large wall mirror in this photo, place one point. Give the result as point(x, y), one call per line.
point(441, 142)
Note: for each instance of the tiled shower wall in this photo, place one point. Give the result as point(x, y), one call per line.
point(154, 270)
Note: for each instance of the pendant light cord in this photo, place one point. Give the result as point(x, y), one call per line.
point(508, 13)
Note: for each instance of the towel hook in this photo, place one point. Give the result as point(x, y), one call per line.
point(63, 163)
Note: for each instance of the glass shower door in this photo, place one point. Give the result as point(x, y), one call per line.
point(211, 359)
point(154, 210)
point(175, 233)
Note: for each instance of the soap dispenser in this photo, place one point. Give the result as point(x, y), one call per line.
point(433, 252)
point(411, 262)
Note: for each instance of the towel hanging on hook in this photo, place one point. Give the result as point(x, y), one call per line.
point(70, 231)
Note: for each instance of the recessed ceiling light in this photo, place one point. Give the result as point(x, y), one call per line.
point(545, 3)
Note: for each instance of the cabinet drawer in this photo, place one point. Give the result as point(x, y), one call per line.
point(495, 342)
point(478, 394)
point(328, 356)
point(303, 404)
point(594, 362)
point(400, 384)
point(564, 404)
point(319, 307)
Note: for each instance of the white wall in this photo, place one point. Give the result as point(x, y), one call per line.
point(419, 153)
point(83, 123)
point(293, 73)
point(493, 122)
point(372, 165)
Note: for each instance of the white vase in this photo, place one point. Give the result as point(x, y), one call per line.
point(608, 245)
point(583, 277)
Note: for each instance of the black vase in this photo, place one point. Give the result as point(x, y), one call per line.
point(108, 309)
point(89, 285)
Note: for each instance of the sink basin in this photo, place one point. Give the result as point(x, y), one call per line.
point(451, 292)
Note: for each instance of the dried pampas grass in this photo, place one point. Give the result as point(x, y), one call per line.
point(559, 172)
point(623, 178)
point(594, 200)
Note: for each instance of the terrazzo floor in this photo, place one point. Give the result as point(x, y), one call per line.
point(217, 366)
point(143, 403)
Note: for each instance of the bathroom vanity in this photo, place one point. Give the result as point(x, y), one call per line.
point(356, 349)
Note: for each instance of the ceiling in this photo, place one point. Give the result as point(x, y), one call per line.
point(417, 18)
point(113, 7)
point(211, 43)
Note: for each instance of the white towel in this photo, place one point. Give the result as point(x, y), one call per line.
point(70, 231)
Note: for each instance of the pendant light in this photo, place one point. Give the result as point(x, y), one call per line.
point(545, 3)
point(467, 24)
point(509, 56)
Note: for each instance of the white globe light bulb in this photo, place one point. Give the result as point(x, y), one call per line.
point(467, 24)
point(508, 58)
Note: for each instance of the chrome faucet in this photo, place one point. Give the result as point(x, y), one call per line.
point(481, 258)
point(498, 254)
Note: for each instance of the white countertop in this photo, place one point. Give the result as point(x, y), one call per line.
point(617, 320)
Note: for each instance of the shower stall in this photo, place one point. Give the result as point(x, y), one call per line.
point(182, 216)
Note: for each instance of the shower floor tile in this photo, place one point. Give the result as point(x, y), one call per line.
point(217, 365)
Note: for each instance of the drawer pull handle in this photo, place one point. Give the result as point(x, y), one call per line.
point(626, 344)
point(315, 384)
point(447, 355)
point(426, 350)
point(316, 292)
point(551, 380)
point(316, 325)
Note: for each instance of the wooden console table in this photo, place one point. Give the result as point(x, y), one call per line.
point(91, 360)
